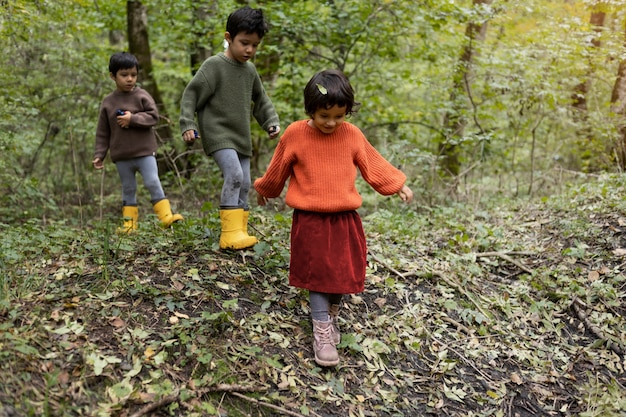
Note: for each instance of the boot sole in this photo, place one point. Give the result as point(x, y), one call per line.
point(326, 363)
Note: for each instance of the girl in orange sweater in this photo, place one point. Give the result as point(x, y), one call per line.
point(320, 157)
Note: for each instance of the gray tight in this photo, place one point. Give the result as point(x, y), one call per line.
point(236, 171)
point(320, 302)
point(147, 167)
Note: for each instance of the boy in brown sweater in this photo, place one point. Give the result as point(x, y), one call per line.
point(125, 129)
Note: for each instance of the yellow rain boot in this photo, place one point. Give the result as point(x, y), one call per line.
point(164, 213)
point(130, 215)
point(233, 236)
point(246, 214)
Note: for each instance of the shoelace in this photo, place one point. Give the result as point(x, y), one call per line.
point(325, 335)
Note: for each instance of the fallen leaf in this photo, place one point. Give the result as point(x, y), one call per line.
point(516, 379)
point(593, 276)
point(356, 299)
point(181, 315)
point(149, 352)
point(117, 322)
point(619, 252)
point(380, 302)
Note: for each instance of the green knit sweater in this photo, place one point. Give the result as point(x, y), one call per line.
point(225, 94)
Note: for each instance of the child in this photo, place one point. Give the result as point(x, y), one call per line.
point(221, 93)
point(320, 157)
point(125, 127)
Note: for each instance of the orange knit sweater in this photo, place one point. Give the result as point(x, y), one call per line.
point(322, 169)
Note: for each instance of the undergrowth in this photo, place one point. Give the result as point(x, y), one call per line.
point(512, 308)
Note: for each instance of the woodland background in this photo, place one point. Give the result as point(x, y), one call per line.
point(498, 291)
point(468, 97)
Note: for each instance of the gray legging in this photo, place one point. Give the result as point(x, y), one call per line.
point(147, 167)
point(236, 171)
point(320, 302)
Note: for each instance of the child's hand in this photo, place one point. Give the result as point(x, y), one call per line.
point(261, 200)
point(97, 163)
point(273, 131)
point(124, 120)
point(190, 135)
point(406, 194)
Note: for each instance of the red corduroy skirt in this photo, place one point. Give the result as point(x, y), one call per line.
point(328, 252)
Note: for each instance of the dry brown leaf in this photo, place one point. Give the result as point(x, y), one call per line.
point(181, 315)
point(117, 322)
point(179, 286)
point(593, 276)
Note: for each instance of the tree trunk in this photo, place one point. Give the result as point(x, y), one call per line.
point(199, 53)
point(618, 100)
point(453, 121)
point(579, 98)
point(139, 45)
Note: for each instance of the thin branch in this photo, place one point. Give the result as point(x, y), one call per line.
point(460, 289)
point(168, 399)
point(380, 261)
point(233, 389)
point(268, 405)
point(578, 306)
point(507, 258)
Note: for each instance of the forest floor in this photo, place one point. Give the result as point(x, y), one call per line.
point(517, 309)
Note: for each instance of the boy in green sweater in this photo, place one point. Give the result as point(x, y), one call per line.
point(221, 94)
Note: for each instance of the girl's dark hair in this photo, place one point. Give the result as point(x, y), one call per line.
point(326, 89)
point(122, 60)
point(247, 20)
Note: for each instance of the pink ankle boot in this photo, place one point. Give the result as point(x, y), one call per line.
point(323, 343)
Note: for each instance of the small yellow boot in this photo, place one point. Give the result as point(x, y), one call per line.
point(246, 215)
point(130, 215)
point(233, 236)
point(164, 213)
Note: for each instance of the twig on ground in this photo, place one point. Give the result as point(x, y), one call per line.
point(460, 289)
point(578, 306)
point(268, 405)
point(458, 325)
point(380, 261)
point(507, 258)
point(233, 389)
point(168, 399)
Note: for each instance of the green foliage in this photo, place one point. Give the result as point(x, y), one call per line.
point(462, 308)
point(401, 57)
point(471, 297)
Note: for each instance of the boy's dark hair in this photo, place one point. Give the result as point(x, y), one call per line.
point(122, 60)
point(326, 89)
point(247, 20)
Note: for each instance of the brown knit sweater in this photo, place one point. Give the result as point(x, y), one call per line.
point(322, 169)
point(139, 138)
